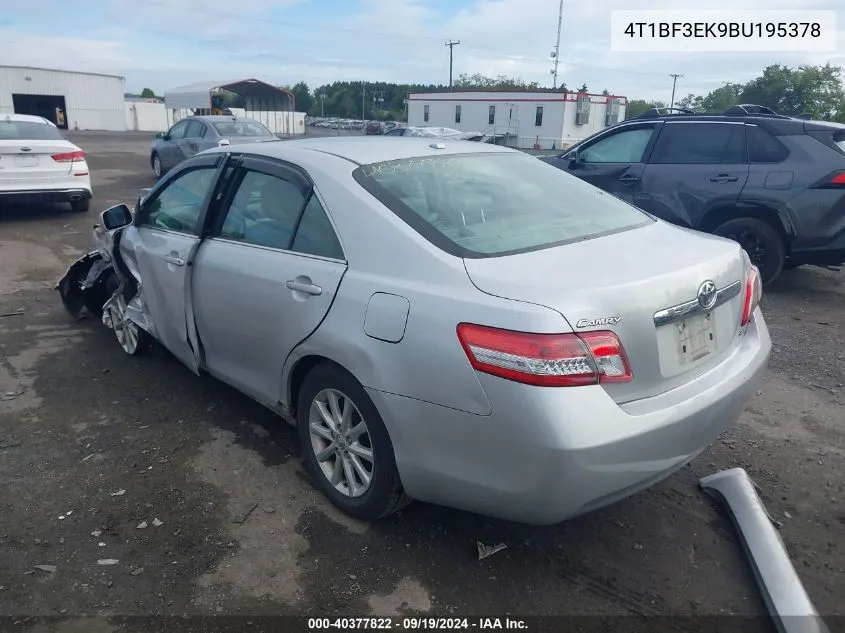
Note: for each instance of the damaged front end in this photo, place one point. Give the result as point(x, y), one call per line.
point(87, 285)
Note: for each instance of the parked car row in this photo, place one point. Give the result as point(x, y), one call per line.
point(421, 311)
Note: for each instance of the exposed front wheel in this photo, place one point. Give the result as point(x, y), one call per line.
point(156, 164)
point(346, 446)
point(131, 338)
point(762, 242)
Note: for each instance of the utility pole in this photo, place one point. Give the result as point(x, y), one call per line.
point(451, 44)
point(363, 104)
point(674, 81)
point(556, 51)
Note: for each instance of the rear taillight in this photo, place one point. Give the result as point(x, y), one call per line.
point(753, 294)
point(548, 360)
point(69, 157)
point(838, 179)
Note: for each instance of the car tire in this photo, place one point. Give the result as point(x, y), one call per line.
point(761, 241)
point(155, 163)
point(80, 206)
point(327, 383)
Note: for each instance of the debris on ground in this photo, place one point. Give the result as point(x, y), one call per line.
point(96, 533)
point(142, 525)
point(15, 313)
point(787, 515)
point(119, 493)
point(488, 550)
point(137, 571)
point(244, 517)
point(50, 569)
point(157, 522)
point(101, 544)
point(108, 561)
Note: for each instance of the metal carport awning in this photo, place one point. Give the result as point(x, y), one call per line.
point(257, 95)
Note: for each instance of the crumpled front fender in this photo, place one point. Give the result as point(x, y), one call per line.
point(86, 285)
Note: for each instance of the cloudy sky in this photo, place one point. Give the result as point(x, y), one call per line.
point(162, 44)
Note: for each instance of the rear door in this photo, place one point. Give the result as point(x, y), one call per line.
point(694, 166)
point(614, 161)
point(162, 246)
point(33, 155)
point(267, 276)
point(171, 150)
point(190, 143)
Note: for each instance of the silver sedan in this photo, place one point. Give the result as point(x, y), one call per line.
point(446, 321)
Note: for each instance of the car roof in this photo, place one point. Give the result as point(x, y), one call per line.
point(363, 150)
point(218, 118)
point(28, 118)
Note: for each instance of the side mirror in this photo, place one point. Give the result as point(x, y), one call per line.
point(575, 158)
point(116, 217)
point(162, 136)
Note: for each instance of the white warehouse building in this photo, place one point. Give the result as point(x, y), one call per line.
point(71, 100)
point(541, 119)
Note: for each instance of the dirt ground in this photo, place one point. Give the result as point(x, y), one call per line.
point(199, 493)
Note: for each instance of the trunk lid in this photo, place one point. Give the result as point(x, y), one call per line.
point(620, 283)
point(24, 162)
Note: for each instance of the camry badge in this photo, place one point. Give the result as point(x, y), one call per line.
point(594, 322)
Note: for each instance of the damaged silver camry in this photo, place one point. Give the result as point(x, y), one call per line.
point(423, 313)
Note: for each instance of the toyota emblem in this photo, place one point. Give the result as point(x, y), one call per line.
point(707, 294)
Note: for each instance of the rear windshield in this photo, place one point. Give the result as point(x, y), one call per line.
point(28, 131)
point(483, 205)
point(241, 128)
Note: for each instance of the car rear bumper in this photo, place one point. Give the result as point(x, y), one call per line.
point(548, 454)
point(45, 196)
point(831, 253)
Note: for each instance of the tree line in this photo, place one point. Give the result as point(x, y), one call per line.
point(813, 91)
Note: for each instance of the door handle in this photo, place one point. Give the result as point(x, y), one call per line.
point(193, 146)
point(724, 178)
point(175, 260)
point(628, 178)
point(309, 289)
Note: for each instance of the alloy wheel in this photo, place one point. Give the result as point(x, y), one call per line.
point(127, 332)
point(341, 442)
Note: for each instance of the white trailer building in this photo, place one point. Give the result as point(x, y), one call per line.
point(71, 100)
point(542, 119)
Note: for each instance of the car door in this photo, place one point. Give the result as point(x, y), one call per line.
point(266, 277)
point(193, 142)
point(170, 151)
point(614, 161)
point(695, 166)
point(162, 245)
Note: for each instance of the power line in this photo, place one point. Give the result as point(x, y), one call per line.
point(451, 44)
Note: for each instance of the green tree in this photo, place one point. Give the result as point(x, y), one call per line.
point(637, 107)
point(147, 93)
point(500, 82)
point(605, 92)
point(720, 99)
point(690, 102)
point(583, 88)
point(302, 95)
point(813, 90)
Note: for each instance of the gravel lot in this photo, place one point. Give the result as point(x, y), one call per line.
point(80, 422)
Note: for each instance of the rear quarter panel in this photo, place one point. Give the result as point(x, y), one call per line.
point(385, 255)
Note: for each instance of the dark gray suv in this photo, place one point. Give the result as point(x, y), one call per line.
point(775, 184)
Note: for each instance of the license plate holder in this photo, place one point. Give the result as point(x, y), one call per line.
point(696, 338)
point(26, 161)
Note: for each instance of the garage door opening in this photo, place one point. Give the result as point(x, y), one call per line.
point(51, 107)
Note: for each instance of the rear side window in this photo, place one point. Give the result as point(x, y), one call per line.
point(700, 144)
point(241, 129)
point(491, 204)
point(28, 131)
point(763, 147)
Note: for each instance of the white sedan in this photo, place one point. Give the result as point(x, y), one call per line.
point(37, 164)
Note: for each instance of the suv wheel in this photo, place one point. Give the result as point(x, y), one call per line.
point(762, 242)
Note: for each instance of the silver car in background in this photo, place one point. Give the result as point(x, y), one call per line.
point(456, 323)
point(192, 135)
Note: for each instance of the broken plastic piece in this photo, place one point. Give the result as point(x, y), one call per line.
point(488, 550)
point(783, 593)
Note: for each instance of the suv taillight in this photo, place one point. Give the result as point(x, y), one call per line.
point(548, 360)
point(753, 294)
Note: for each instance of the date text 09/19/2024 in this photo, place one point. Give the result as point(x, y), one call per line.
point(417, 624)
